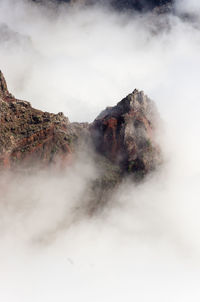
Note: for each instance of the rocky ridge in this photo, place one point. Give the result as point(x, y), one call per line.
point(123, 137)
point(29, 135)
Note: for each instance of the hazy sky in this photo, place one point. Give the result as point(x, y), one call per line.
point(145, 245)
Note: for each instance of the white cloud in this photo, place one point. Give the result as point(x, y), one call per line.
point(188, 6)
point(145, 245)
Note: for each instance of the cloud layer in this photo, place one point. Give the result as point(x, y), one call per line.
point(145, 244)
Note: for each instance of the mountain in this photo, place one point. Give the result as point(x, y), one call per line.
point(121, 139)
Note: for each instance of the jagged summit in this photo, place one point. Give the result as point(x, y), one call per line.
point(3, 87)
point(124, 105)
point(124, 133)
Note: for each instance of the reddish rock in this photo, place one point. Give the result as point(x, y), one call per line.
point(125, 134)
point(4, 93)
point(29, 136)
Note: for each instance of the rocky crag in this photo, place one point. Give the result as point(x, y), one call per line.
point(121, 137)
point(125, 134)
point(28, 135)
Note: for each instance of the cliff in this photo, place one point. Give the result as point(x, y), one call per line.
point(32, 137)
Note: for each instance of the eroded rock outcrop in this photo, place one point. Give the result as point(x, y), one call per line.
point(4, 93)
point(31, 137)
point(125, 134)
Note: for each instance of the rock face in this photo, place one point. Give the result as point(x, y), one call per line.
point(4, 93)
point(28, 135)
point(123, 136)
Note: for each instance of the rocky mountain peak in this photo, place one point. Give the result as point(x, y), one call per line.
point(123, 136)
point(125, 133)
point(3, 87)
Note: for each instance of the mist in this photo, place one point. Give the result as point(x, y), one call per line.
point(144, 245)
point(188, 7)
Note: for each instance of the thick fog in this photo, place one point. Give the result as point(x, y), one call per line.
point(145, 245)
point(187, 7)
